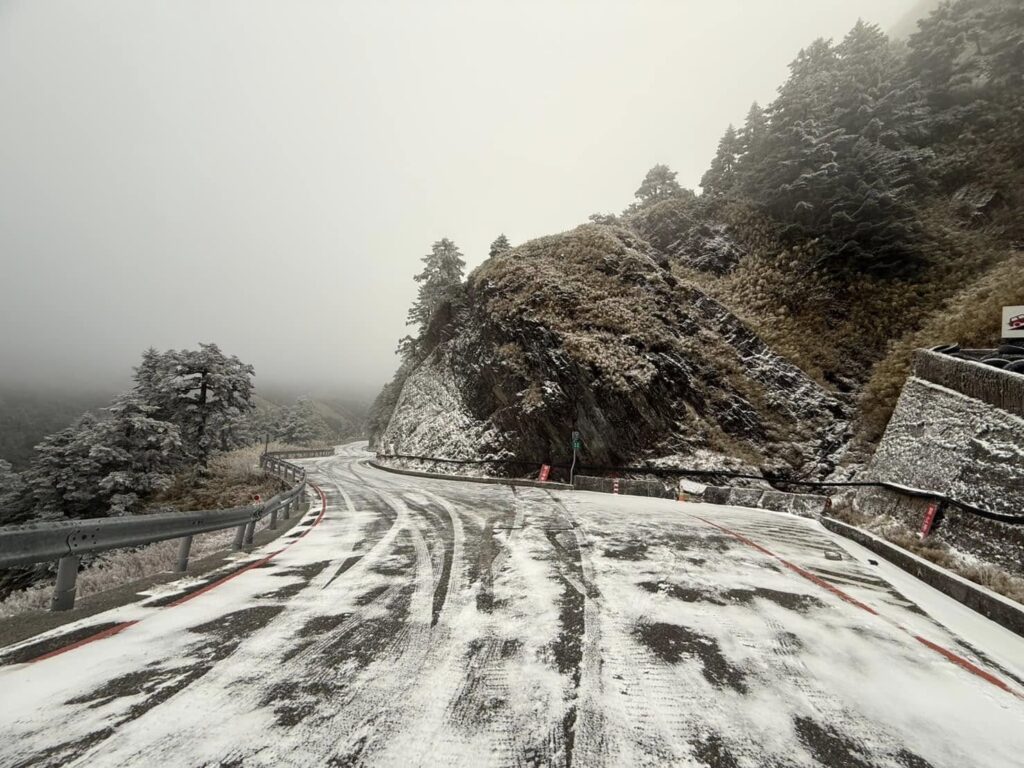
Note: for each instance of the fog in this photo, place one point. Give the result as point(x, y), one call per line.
point(267, 175)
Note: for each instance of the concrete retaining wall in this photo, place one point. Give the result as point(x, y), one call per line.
point(957, 431)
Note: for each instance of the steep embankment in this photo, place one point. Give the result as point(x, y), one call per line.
point(586, 331)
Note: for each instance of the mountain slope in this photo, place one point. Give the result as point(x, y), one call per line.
point(585, 331)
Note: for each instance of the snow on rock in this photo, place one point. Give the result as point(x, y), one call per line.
point(942, 441)
point(431, 413)
point(585, 331)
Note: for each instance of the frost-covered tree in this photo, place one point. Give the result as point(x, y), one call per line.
point(721, 176)
point(136, 452)
point(659, 184)
point(500, 245)
point(109, 466)
point(14, 498)
point(301, 424)
point(442, 273)
point(206, 393)
point(63, 478)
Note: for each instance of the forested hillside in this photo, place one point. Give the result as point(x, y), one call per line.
point(874, 206)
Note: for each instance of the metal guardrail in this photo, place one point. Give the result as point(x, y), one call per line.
point(67, 541)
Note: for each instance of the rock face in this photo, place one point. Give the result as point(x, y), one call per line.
point(585, 331)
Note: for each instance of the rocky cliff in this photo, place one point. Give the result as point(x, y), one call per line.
point(586, 330)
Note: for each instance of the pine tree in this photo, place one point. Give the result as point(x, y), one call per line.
point(104, 467)
point(302, 425)
point(63, 477)
point(721, 176)
point(15, 501)
point(137, 454)
point(204, 392)
point(441, 274)
point(500, 245)
point(659, 184)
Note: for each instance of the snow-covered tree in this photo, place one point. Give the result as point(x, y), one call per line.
point(500, 245)
point(721, 176)
point(13, 494)
point(97, 467)
point(136, 452)
point(206, 393)
point(63, 477)
point(301, 424)
point(441, 274)
point(659, 184)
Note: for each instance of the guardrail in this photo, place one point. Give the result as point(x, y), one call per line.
point(67, 541)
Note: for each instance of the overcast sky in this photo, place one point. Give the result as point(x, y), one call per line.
point(267, 175)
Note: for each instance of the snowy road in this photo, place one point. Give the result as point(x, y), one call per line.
point(421, 622)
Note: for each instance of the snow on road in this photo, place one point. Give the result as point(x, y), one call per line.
point(421, 622)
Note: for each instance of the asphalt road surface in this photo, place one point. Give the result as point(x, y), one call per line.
point(409, 621)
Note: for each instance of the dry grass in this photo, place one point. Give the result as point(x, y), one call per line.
point(115, 569)
point(230, 480)
point(892, 530)
point(970, 317)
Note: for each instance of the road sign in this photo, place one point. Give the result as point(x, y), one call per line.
point(1013, 322)
point(576, 442)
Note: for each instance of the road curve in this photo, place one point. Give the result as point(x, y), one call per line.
point(410, 621)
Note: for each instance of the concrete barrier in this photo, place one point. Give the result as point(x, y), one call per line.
point(995, 607)
point(471, 479)
point(627, 487)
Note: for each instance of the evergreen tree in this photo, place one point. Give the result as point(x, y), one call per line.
point(99, 467)
point(64, 478)
point(15, 501)
point(302, 425)
point(204, 392)
point(137, 454)
point(442, 273)
point(721, 176)
point(659, 184)
point(500, 245)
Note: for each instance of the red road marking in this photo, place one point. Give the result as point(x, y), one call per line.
point(960, 661)
point(85, 641)
point(185, 598)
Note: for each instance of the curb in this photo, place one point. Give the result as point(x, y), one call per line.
point(468, 479)
point(999, 609)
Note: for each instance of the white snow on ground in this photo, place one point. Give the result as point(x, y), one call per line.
point(424, 622)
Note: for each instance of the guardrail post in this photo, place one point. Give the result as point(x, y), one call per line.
point(273, 520)
point(64, 589)
point(287, 510)
point(250, 531)
point(239, 536)
point(183, 551)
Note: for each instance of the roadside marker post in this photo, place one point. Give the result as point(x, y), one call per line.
point(545, 471)
point(929, 519)
point(575, 447)
point(615, 485)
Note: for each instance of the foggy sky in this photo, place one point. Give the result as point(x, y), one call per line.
point(267, 175)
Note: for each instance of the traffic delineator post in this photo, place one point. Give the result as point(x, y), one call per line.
point(929, 519)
